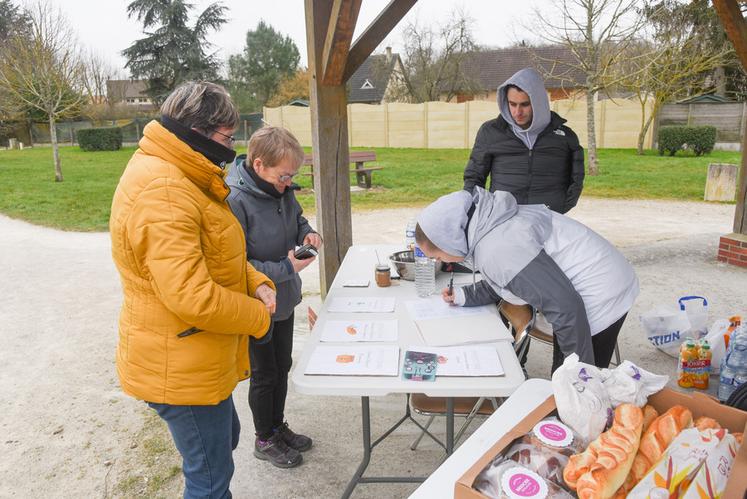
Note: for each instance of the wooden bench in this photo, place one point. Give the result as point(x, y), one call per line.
point(362, 172)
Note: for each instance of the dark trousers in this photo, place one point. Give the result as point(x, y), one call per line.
point(268, 386)
point(603, 344)
point(205, 436)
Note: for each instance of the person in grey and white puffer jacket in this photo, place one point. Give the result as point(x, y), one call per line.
point(529, 254)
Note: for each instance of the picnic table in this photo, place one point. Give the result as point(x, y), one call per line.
point(362, 172)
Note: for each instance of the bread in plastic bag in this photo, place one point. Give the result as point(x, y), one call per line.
point(546, 449)
point(509, 480)
point(630, 384)
point(581, 397)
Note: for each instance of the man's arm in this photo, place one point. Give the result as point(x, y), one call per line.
point(478, 167)
point(546, 287)
point(577, 171)
point(481, 293)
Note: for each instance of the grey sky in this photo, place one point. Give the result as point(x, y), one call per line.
point(104, 26)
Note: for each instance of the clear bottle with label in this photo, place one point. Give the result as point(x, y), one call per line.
point(425, 274)
point(410, 234)
point(734, 364)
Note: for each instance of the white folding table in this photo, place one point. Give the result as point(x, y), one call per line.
point(359, 264)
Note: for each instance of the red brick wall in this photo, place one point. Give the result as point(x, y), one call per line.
point(732, 249)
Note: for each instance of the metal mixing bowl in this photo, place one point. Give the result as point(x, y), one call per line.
point(404, 263)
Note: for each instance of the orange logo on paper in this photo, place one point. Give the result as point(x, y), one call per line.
point(345, 359)
point(351, 330)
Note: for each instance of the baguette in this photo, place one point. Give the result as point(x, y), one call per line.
point(649, 414)
point(615, 455)
point(602, 467)
point(704, 423)
point(654, 442)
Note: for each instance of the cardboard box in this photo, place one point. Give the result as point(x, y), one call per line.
point(700, 405)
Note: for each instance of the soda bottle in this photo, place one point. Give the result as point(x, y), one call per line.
point(688, 352)
point(703, 369)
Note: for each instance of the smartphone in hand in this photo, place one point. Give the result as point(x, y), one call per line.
point(305, 251)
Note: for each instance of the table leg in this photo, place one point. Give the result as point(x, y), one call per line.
point(449, 425)
point(366, 420)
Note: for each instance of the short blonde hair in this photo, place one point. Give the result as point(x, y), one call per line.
point(272, 145)
point(202, 105)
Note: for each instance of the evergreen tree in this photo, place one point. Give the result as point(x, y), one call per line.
point(172, 52)
point(255, 75)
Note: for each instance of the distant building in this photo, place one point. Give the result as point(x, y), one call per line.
point(490, 68)
point(129, 93)
point(373, 80)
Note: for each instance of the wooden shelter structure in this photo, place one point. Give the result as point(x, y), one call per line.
point(333, 59)
point(733, 247)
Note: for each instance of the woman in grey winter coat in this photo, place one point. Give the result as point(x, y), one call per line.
point(263, 200)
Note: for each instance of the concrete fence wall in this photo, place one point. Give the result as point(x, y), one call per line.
point(729, 119)
point(450, 125)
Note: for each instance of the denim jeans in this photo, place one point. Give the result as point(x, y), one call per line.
point(205, 436)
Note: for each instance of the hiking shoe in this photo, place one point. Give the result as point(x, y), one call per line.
point(301, 443)
point(277, 452)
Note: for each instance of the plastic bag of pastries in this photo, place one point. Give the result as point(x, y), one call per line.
point(710, 480)
point(546, 449)
point(509, 480)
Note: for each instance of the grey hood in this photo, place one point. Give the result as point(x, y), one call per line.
point(532, 83)
point(501, 237)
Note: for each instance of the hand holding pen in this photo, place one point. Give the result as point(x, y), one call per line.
point(448, 293)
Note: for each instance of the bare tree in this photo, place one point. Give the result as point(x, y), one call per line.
point(598, 33)
point(673, 59)
point(96, 72)
point(434, 61)
point(44, 71)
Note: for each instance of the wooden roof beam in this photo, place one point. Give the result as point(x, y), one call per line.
point(375, 34)
point(735, 26)
point(342, 21)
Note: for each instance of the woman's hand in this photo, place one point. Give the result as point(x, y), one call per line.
point(299, 265)
point(447, 296)
point(266, 295)
point(314, 239)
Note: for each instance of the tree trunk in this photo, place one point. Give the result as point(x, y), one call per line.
point(645, 125)
point(55, 149)
point(591, 133)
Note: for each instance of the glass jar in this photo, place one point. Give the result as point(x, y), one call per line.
point(383, 275)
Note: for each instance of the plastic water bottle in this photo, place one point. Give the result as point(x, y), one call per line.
point(410, 235)
point(734, 364)
point(425, 274)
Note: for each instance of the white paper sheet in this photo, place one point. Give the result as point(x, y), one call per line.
point(462, 330)
point(434, 307)
point(361, 304)
point(356, 331)
point(473, 360)
point(354, 360)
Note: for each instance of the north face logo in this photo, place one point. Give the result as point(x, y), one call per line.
point(559, 132)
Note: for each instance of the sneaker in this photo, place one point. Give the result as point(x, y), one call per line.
point(301, 443)
point(277, 452)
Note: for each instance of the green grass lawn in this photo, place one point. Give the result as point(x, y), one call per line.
point(411, 177)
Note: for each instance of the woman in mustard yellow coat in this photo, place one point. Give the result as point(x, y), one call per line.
point(191, 300)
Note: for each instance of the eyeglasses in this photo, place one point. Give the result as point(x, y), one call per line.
point(285, 178)
point(231, 138)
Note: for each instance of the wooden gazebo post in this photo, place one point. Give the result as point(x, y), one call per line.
point(733, 247)
point(329, 32)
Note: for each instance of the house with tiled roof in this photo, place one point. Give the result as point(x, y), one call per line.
point(489, 68)
point(373, 80)
point(131, 93)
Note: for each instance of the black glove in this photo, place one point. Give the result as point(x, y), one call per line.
point(264, 339)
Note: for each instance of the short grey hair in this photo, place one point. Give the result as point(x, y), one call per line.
point(202, 105)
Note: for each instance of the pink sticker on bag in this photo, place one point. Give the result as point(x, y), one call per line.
point(553, 433)
point(521, 483)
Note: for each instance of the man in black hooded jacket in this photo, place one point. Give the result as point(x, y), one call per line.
point(527, 150)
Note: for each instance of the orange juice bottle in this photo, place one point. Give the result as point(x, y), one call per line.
point(688, 352)
point(703, 369)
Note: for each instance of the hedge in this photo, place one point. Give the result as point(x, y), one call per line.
point(100, 139)
point(700, 139)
